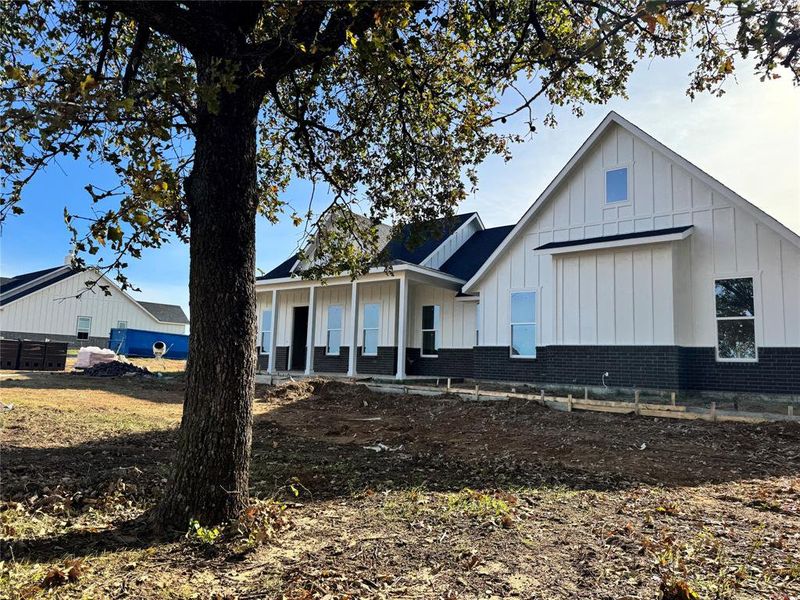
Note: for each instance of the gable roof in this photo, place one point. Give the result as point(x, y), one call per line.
point(16, 288)
point(613, 118)
point(412, 244)
point(166, 313)
point(473, 253)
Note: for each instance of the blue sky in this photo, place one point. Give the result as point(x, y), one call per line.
point(749, 139)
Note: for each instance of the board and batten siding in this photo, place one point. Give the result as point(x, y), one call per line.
point(383, 293)
point(54, 310)
point(457, 318)
point(449, 246)
point(726, 241)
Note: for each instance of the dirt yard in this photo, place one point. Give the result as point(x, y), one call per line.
point(359, 495)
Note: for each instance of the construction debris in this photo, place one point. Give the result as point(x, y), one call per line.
point(115, 368)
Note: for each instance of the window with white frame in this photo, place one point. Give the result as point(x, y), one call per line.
point(372, 316)
point(334, 343)
point(477, 323)
point(736, 324)
point(617, 185)
point(122, 324)
point(523, 324)
point(430, 330)
point(84, 327)
point(266, 331)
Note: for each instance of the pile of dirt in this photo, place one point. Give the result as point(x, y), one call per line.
point(115, 368)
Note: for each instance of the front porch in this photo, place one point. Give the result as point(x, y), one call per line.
point(345, 328)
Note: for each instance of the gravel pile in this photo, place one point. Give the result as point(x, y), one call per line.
point(114, 368)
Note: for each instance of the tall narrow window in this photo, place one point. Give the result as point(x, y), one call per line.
point(334, 330)
point(84, 328)
point(523, 324)
point(617, 185)
point(430, 330)
point(736, 324)
point(477, 323)
point(372, 315)
point(266, 331)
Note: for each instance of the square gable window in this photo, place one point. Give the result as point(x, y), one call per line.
point(617, 185)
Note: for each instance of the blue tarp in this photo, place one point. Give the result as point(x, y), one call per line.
point(138, 342)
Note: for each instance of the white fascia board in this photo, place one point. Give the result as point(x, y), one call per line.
point(613, 117)
point(375, 274)
point(640, 241)
point(468, 298)
point(462, 226)
point(543, 197)
point(31, 284)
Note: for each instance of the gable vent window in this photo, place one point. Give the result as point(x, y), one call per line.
point(372, 313)
point(430, 330)
point(122, 324)
point(617, 185)
point(736, 323)
point(84, 328)
point(334, 330)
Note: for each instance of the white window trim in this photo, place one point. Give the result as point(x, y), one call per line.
point(629, 201)
point(365, 329)
point(756, 310)
point(265, 351)
point(437, 331)
point(511, 324)
point(329, 329)
point(79, 330)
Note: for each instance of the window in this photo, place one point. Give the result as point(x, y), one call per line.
point(523, 324)
point(84, 327)
point(334, 330)
point(122, 324)
point(430, 330)
point(372, 314)
point(477, 323)
point(736, 330)
point(266, 331)
point(617, 185)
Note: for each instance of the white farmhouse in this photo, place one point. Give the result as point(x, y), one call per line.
point(632, 268)
point(45, 305)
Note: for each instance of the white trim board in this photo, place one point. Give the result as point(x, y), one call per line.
point(637, 241)
point(614, 118)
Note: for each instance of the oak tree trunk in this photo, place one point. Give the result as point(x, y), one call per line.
point(210, 475)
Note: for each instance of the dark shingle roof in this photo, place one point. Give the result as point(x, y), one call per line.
point(48, 277)
point(411, 245)
point(474, 252)
point(166, 313)
point(415, 243)
point(614, 238)
point(282, 270)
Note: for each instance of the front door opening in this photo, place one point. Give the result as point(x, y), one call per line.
point(297, 360)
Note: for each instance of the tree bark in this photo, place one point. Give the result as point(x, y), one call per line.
point(210, 476)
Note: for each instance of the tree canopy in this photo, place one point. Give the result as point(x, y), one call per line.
point(207, 110)
point(388, 104)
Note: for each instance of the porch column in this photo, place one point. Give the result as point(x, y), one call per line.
point(351, 364)
point(402, 312)
point(312, 313)
point(273, 335)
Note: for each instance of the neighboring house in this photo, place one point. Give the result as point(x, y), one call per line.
point(633, 268)
point(43, 305)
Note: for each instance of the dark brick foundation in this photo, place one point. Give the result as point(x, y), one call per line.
point(384, 363)
point(450, 362)
point(660, 367)
point(331, 364)
point(282, 358)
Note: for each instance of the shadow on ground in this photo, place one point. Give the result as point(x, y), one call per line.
point(314, 439)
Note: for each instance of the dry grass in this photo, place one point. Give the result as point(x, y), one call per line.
point(473, 500)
